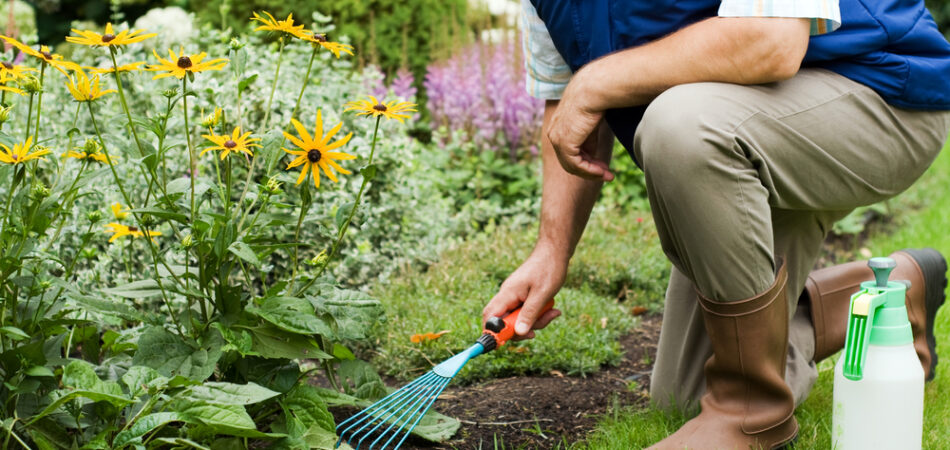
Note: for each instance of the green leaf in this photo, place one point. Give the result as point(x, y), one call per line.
point(118, 401)
point(360, 379)
point(181, 443)
point(243, 84)
point(436, 427)
point(136, 289)
point(334, 398)
point(224, 419)
point(171, 355)
point(39, 371)
point(178, 186)
point(102, 306)
point(342, 213)
point(355, 312)
point(243, 251)
point(275, 343)
point(81, 375)
point(291, 314)
point(139, 378)
point(341, 352)
point(133, 435)
point(15, 333)
point(304, 403)
point(230, 393)
point(369, 172)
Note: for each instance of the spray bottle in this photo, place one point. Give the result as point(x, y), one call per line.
point(879, 383)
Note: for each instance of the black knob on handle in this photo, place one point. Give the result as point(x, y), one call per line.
point(495, 324)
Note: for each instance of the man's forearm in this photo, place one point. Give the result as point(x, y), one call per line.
point(731, 50)
point(566, 200)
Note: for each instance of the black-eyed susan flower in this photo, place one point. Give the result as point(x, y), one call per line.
point(234, 143)
point(372, 107)
point(178, 65)
point(20, 153)
point(85, 89)
point(89, 153)
point(321, 40)
point(284, 26)
point(119, 211)
point(118, 230)
point(109, 38)
point(10, 88)
point(10, 71)
point(317, 152)
point(131, 67)
point(45, 55)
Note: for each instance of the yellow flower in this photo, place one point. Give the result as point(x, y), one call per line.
point(285, 26)
point(372, 107)
point(234, 143)
point(85, 89)
point(19, 153)
point(109, 38)
point(10, 88)
point(316, 152)
point(118, 212)
point(184, 64)
point(44, 55)
point(334, 47)
point(97, 156)
point(10, 71)
point(131, 67)
point(120, 230)
point(212, 120)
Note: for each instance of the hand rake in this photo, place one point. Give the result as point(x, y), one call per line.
point(387, 419)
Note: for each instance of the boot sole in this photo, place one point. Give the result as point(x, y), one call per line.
point(934, 268)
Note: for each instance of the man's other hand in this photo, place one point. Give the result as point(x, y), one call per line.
point(575, 132)
point(531, 286)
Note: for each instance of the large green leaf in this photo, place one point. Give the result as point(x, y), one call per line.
point(244, 251)
point(291, 314)
point(139, 378)
point(224, 419)
point(118, 401)
point(136, 289)
point(354, 312)
point(305, 404)
point(133, 435)
point(230, 393)
point(81, 375)
point(171, 355)
point(274, 343)
point(360, 379)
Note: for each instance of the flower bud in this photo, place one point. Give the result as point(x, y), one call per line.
point(91, 147)
point(169, 93)
point(30, 83)
point(94, 216)
point(5, 113)
point(273, 186)
point(212, 120)
point(147, 220)
point(40, 191)
point(235, 44)
point(45, 284)
point(187, 242)
point(319, 260)
point(89, 253)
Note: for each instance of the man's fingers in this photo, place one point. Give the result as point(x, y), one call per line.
point(546, 318)
point(530, 312)
point(505, 300)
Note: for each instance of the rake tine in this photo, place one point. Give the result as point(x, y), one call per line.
point(384, 402)
point(393, 411)
point(420, 415)
point(411, 410)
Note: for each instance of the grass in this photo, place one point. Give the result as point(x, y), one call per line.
point(618, 267)
point(923, 227)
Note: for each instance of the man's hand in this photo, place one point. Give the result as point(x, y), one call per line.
point(575, 134)
point(530, 287)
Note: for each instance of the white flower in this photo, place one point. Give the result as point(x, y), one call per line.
point(173, 25)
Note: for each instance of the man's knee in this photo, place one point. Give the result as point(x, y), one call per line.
point(685, 129)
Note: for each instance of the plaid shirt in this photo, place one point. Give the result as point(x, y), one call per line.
point(548, 74)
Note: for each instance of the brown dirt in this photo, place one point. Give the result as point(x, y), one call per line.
point(542, 411)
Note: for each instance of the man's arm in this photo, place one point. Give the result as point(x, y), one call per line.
point(742, 50)
point(566, 203)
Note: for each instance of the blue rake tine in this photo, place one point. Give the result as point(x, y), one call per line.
point(394, 410)
point(368, 413)
point(421, 415)
point(423, 401)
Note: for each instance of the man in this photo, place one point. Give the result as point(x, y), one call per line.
point(758, 124)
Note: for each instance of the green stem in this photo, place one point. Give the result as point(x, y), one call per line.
point(191, 176)
point(138, 220)
point(39, 105)
point(65, 204)
point(303, 212)
point(349, 218)
point(125, 105)
point(75, 120)
point(273, 87)
point(306, 79)
point(29, 117)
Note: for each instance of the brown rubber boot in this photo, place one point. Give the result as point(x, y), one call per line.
point(747, 403)
point(829, 293)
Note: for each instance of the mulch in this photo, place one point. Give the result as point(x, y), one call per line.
point(544, 410)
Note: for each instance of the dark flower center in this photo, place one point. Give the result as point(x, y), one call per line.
point(47, 55)
point(314, 156)
point(8, 65)
point(320, 37)
point(184, 62)
point(380, 107)
point(108, 38)
point(230, 144)
point(15, 157)
point(133, 229)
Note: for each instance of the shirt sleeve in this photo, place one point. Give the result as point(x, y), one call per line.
point(824, 14)
point(547, 73)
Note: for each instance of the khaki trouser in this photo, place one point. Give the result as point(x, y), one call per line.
point(739, 175)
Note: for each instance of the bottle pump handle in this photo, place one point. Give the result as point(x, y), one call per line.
point(882, 268)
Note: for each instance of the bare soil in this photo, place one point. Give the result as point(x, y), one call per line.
point(544, 410)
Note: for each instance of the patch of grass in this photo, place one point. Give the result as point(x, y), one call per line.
point(618, 256)
point(927, 226)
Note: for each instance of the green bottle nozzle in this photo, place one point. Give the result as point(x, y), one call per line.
point(879, 307)
point(882, 268)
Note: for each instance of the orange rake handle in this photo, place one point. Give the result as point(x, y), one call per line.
point(503, 328)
